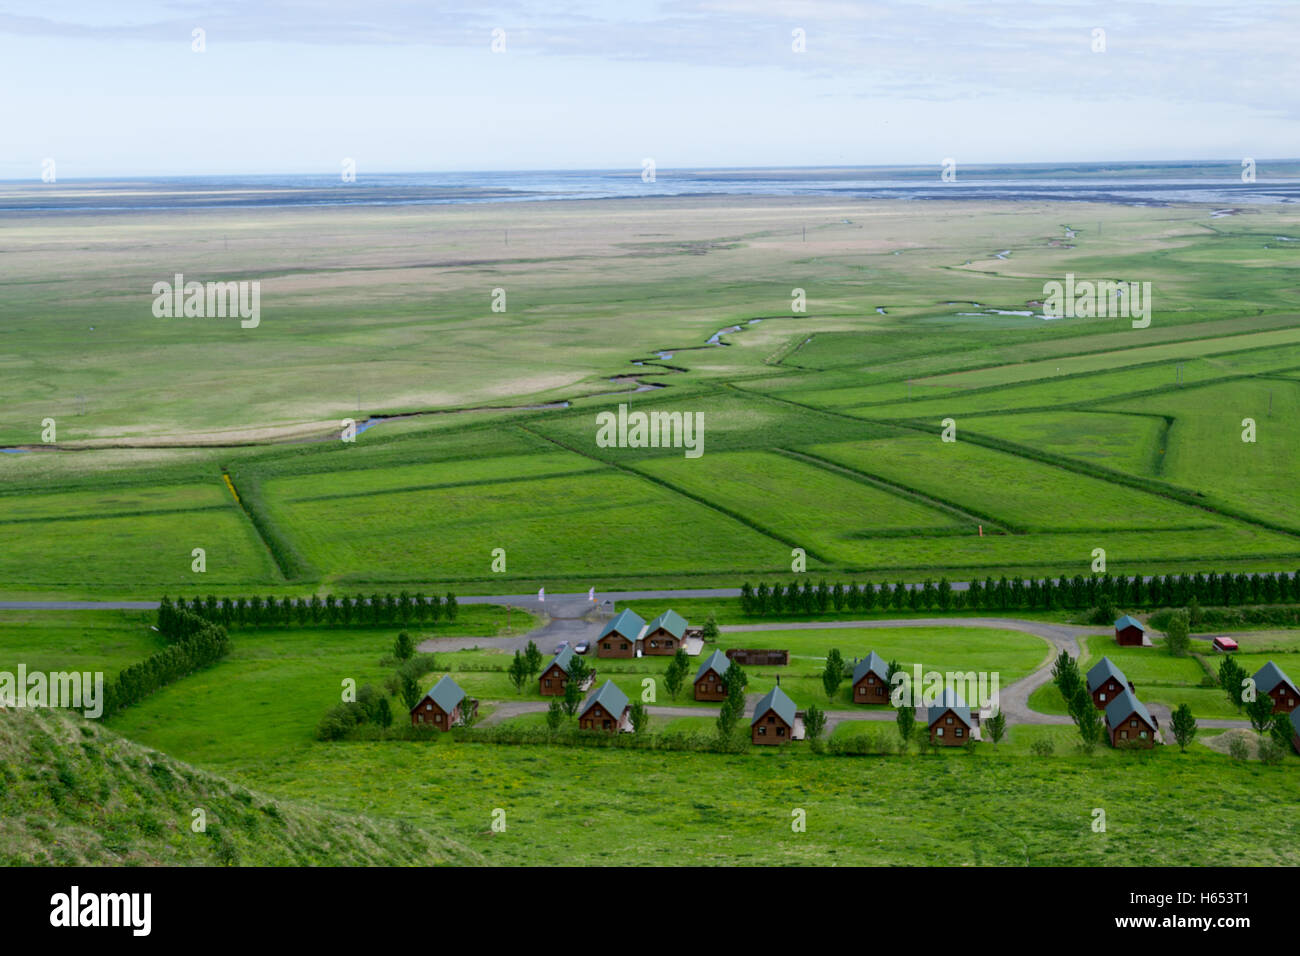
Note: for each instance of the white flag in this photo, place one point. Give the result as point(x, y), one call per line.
point(591, 594)
point(541, 595)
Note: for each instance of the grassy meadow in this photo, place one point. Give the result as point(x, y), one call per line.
point(821, 426)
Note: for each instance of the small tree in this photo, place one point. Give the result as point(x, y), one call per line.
point(404, 647)
point(1065, 673)
point(675, 675)
point(411, 692)
point(997, 725)
point(1183, 725)
point(554, 715)
point(710, 630)
point(572, 696)
point(1260, 713)
point(1230, 677)
point(518, 672)
point(1177, 641)
point(1280, 730)
point(384, 713)
point(579, 671)
point(906, 721)
point(533, 658)
point(1085, 716)
point(814, 722)
point(833, 673)
point(640, 717)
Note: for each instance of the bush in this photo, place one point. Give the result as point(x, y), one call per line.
point(1237, 749)
point(1043, 747)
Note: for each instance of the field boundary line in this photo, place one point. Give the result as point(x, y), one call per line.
point(901, 491)
point(284, 557)
point(734, 516)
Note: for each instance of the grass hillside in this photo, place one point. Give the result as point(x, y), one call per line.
point(74, 793)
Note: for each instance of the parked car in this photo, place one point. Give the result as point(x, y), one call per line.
point(561, 646)
point(581, 647)
point(1225, 644)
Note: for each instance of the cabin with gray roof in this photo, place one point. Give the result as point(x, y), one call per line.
point(1129, 723)
point(1272, 681)
point(1295, 730)
point(442, 706)
point(950, 721)
point(871, 680)
point(775, 719)
point(619, 635)
point(664, 635)
point(1106, 682)
point(1129, 632)
point(606, 710)
point(555, 675)
point(711, 678)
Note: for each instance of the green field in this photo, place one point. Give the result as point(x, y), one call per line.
point(821, 432)
point(819, 426)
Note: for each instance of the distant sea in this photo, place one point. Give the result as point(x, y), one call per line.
point(1139, 184)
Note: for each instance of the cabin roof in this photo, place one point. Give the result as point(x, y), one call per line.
point(1127, 621)
point(718, 662)
point(446, 694)
point(560, 660)
point(609, 697)
point(874, 663)
point(670, 621)
point(1101, 671)
point(627, 623)
point(1119, 709)
point(778, 701)
point(1269, 676)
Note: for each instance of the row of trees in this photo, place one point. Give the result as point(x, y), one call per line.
point(345, 611)
point(1005, 593)
point(194, 644)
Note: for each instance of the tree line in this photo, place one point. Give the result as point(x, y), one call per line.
point(344, 611)
point(1005, 593)
point(193, 643)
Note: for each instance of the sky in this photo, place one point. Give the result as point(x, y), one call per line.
point(296, 86)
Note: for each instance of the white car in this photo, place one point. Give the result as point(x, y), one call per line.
point(581, 648)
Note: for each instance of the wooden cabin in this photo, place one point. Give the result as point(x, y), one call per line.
point(619, 636)
point(871, 680)
point(1270, 680)
point(664, 635)
point(1129, 723)
point(555, 675)
point(774, 718)
point(441, 706)
point(950, 721)
point(1129, 632)
point(1106, 682)
point(711, 678)
point(606, 710)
